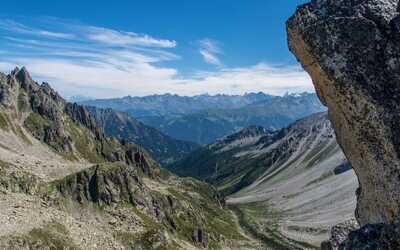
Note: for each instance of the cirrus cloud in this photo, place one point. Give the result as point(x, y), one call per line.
point(209, 50)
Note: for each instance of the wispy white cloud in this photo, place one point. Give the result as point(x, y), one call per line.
point(95, 34)
point(209, 50)
point(100, 62)
point(121, 38)
point(210, 58)
point(13, 26)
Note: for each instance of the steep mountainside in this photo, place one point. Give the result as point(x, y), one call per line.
point(218, 163)
point(64, 185)
point(122, 126)
point(351, 50)
point(299, 171)
point(223, 115)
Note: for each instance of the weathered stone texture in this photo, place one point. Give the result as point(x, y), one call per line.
point(351, 50)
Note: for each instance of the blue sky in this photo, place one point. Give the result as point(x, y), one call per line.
point(117, 48)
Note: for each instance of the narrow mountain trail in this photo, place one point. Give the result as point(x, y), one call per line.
point(263, 232)
point(257, 242)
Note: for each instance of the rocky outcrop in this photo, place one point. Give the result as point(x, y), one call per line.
point(104, 185)
point(116, 183)
point(351, 50)
point(22, 95)
point(81, 115)
point(339, 234)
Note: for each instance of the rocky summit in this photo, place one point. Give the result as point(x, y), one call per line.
point(65, 185)
point(351, 50)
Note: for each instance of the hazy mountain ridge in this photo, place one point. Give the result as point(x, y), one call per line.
point(122, 126)
point(203, 119)
point(168, 104)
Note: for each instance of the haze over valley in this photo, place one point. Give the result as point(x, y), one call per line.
point(203, 119)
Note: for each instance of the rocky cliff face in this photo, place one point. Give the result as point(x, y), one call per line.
point(162, 148)
point(351, 50)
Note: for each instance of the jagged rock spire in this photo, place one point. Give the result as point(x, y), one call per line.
point(24, 78)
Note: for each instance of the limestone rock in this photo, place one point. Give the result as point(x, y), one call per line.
point(351, 50)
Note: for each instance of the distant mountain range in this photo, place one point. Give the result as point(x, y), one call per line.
point(299, 170)
point(124, 127)
point(168, 104)
point(203, 119)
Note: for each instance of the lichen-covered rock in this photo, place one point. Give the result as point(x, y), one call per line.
point(339, 234)
point(351, 50)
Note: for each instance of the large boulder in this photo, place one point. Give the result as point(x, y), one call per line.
point(351, 50)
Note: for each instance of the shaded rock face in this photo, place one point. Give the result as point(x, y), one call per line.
point(374, 236)
point(21, 94)
point(339, 234)
point(108, 185)
point(351, 50)
point(101, 185)
point(81, 115)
